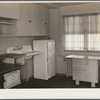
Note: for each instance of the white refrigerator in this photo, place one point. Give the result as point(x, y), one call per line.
point(44, 63)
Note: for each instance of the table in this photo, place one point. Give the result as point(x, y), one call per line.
point(85, 68)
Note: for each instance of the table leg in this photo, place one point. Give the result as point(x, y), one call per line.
point(26, 72)
point(77, 82)
point(92, 84)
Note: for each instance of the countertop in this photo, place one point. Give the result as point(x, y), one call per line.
point(11, 55)
point(14, 55)
point(5, 68)
point(33, 53)
point(83, 57)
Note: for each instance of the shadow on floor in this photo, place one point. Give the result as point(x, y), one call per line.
point(55, 82)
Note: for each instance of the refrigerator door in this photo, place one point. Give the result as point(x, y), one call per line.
point(40, 61)
point(51, 58)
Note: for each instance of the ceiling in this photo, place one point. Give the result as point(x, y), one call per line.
point(56, 5)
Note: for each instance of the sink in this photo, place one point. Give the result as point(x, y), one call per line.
point(26, 49)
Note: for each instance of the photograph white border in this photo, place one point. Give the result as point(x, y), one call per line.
point(54, 93)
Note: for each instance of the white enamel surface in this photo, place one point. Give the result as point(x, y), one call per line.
point(82, 57)
point(26, 49)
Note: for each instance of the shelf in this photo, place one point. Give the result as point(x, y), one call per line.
point(7, 35)
point(19, 36)
point(9, 23)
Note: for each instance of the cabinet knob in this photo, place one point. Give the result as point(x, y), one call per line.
point(40, 31)
point(30, 21)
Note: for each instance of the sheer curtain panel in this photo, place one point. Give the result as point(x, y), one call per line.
point(82, 32)
point(94, 32)
point(74, 37)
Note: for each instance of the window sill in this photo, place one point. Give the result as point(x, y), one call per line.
point(75, 50)
point(82, 51)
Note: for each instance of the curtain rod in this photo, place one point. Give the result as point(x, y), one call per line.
point(81, 14)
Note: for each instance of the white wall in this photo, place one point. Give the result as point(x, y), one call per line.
point(56, 30)
point(54, 34)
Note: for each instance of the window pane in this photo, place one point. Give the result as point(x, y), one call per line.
point(92, 24)
point(74, 39)
point(77, 28)
point(74, 42)
point(77, 19)
point(70, 20)
point(65, 25)
point(98, 27)
point(70, 28)
point(94, 42)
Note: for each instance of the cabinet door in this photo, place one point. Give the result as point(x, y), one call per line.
point(35, 24)
point(79, 69)
point(24, 22)
point(79, 75)
point(92, 71)
point(10, 10)
point(79, 64)
point(44, 21)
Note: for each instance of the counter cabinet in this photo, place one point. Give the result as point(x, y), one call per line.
point(87, 70)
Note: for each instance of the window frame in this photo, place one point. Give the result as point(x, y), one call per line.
point(85, 35)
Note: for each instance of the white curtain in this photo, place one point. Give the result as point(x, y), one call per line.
point(94, 32)
point(73, 29)
point(82, 32)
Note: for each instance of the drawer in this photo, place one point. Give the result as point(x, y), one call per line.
point(78, 67)
point(78, 75)
point(79, 61)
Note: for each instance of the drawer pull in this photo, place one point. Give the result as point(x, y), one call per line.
point(13, 77)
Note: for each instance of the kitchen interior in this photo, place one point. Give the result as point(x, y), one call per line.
point(50, 45)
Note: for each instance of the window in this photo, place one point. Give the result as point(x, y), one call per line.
point(82, 32)
point(94, 42)
point(74, 42)
point(94, 33)
point(74, 37)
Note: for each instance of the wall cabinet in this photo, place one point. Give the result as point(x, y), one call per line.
point(23, 23)
point(44, 21)
point(12, 79)
point(9, 13)
point(85, 70)
point(10, 10)
point(34, 21)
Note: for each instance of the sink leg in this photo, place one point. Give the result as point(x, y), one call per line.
point(26, 73)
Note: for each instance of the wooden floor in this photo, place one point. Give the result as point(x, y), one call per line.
point(55, 82)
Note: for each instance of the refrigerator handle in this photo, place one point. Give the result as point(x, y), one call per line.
point(47, 53)
point(47, 61)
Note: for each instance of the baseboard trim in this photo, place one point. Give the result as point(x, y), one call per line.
point(26, 79)
point(67, 76)
point(60, 74)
